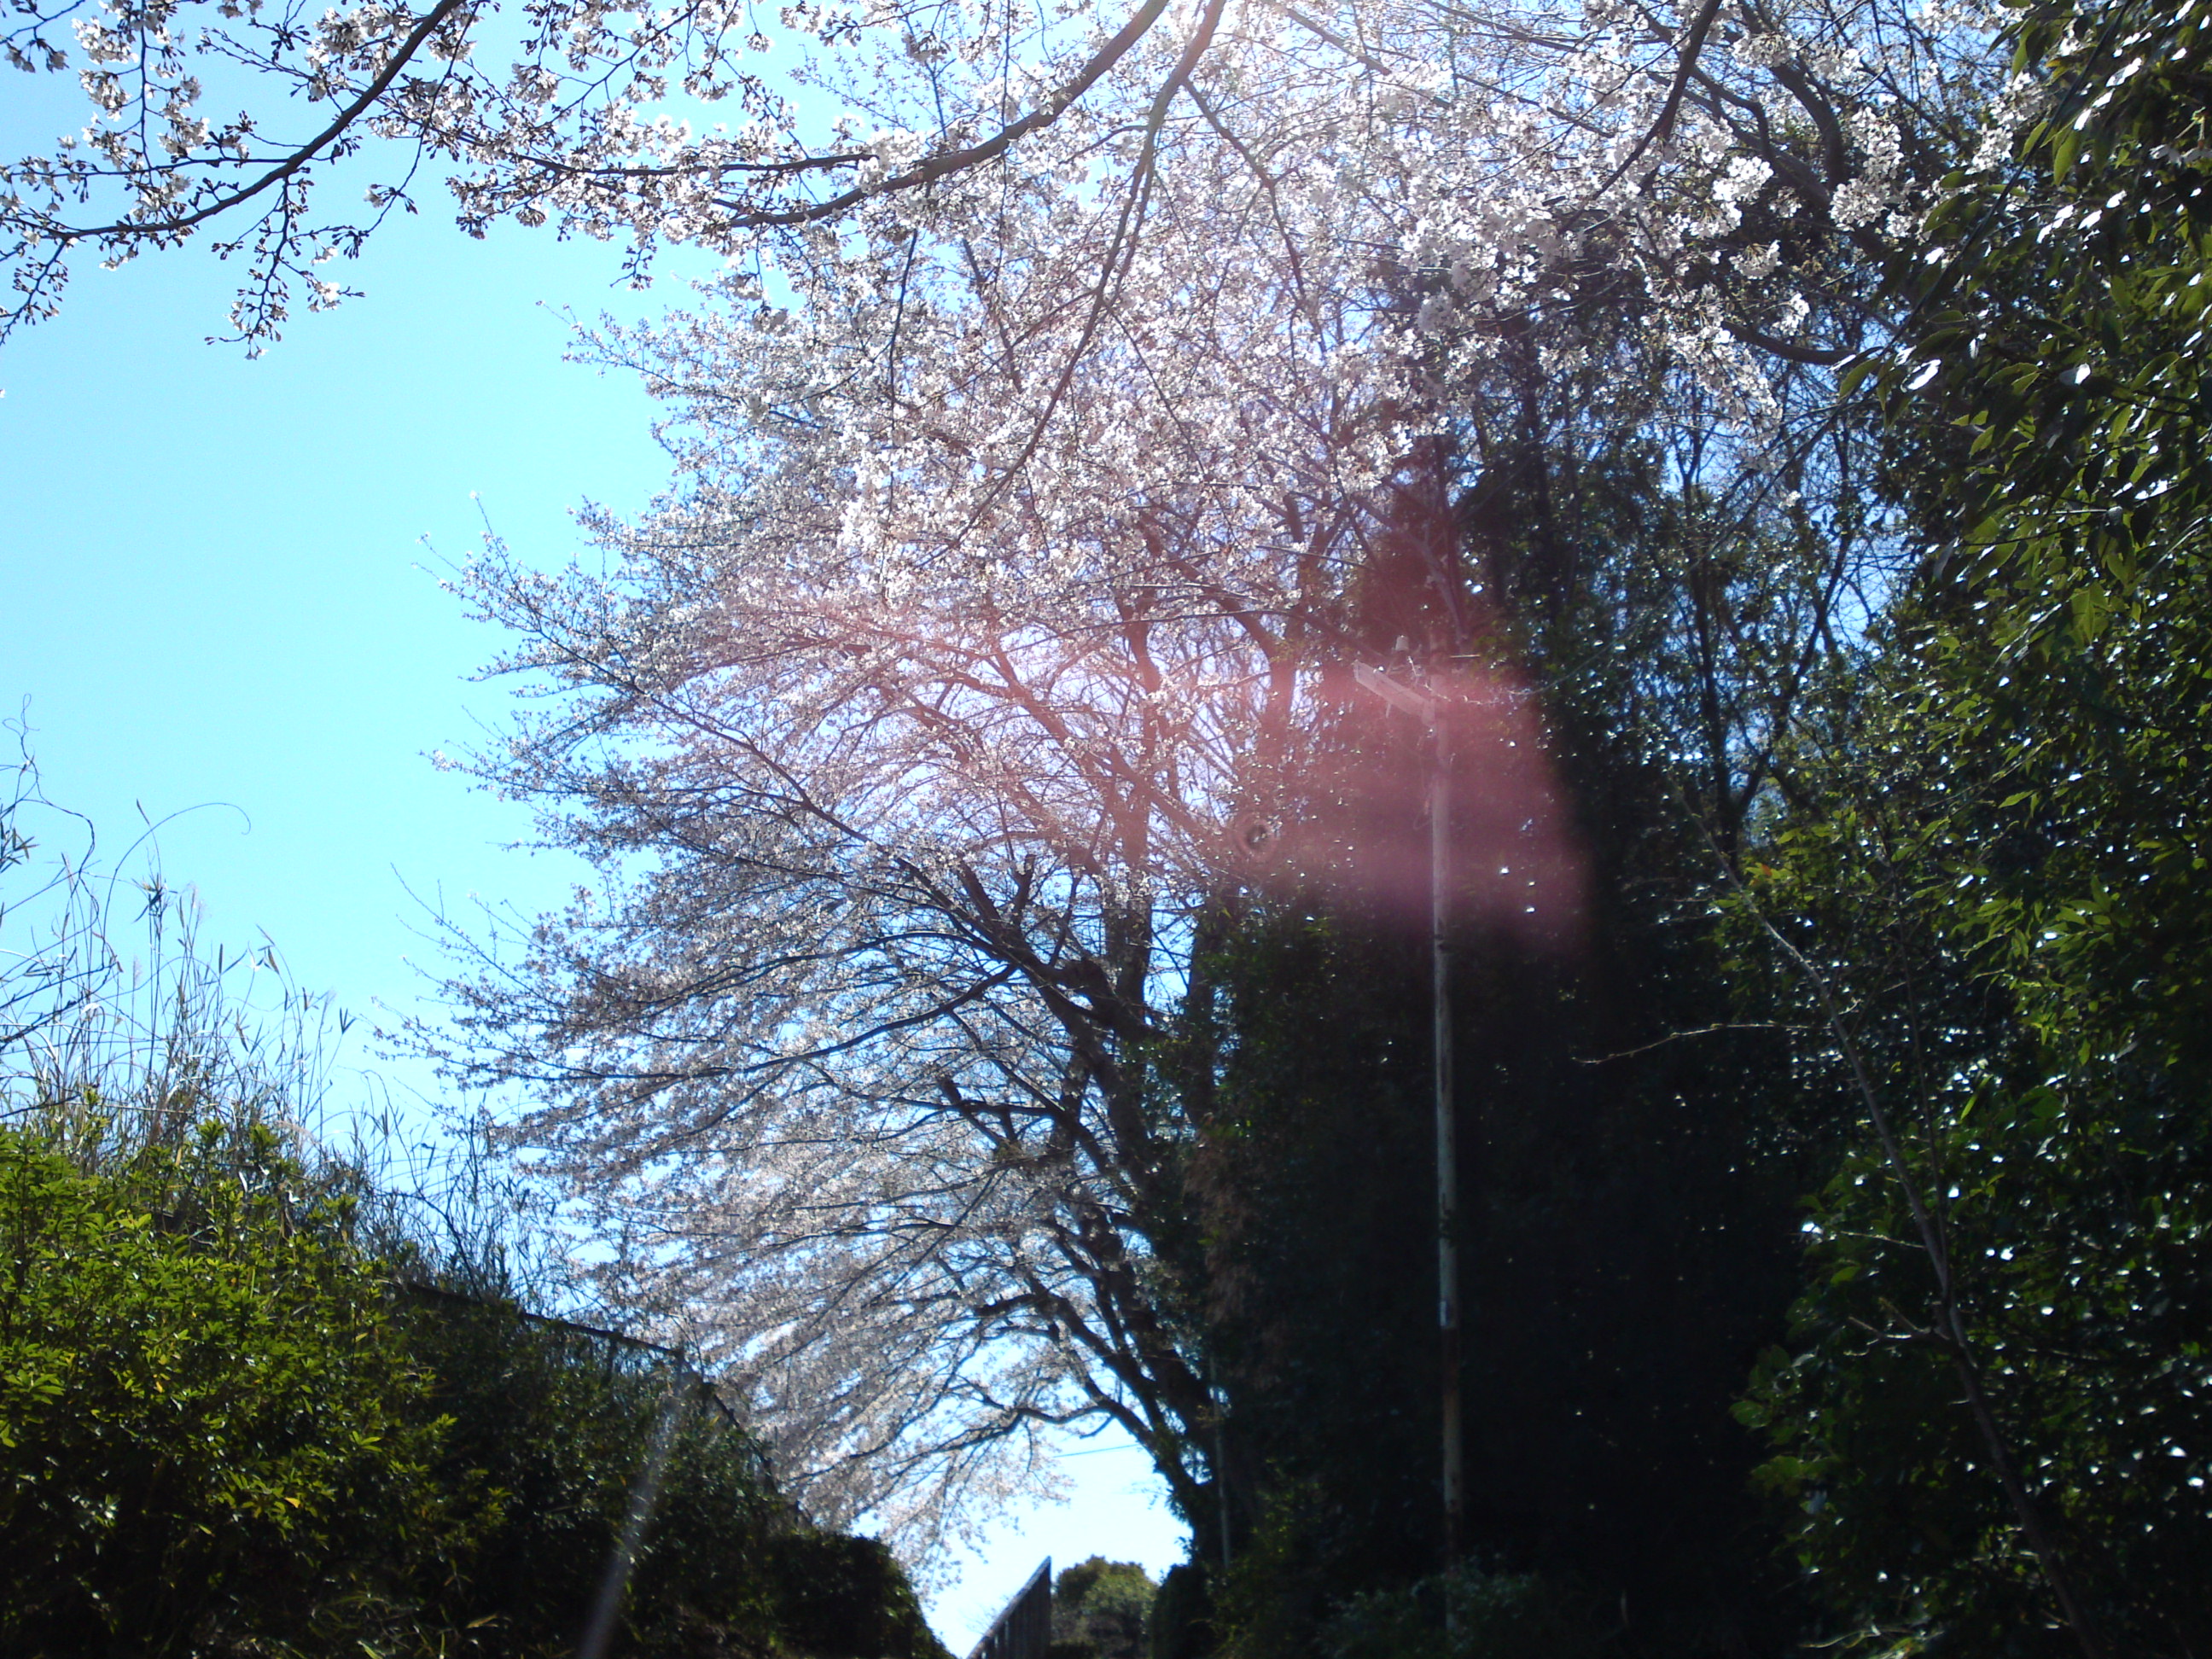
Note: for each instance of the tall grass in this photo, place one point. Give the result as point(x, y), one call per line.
point(123, 1028)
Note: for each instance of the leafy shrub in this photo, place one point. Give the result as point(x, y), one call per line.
point(234, 1421)
point(613, 1472)
point(224, 1431)
point(211, 1438)
point(838, 1596)
point(1101, 1609)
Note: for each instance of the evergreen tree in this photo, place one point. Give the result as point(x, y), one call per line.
point(1626, 1233)
point(1992, 1423)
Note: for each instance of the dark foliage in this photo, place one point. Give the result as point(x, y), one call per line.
point(1627, 1236)
point(1992, 1421)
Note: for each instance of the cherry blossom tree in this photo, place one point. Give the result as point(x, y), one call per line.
point(926, 734)
point(875, 1084)
point(1540, 129)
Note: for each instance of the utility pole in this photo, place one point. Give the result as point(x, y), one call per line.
point(1421, 702)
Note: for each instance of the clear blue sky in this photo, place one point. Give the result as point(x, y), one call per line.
point(213, 590)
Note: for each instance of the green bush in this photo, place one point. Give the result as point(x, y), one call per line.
point(211, 1439)
point(1102, 1609)
point(577, 1443)
point(254, 1401)
point(841, 1597)
point(226, 1430)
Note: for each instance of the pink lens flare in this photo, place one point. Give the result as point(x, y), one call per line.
point(1361, 831)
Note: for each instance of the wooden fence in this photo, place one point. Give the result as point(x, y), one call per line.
point(1024, 1631)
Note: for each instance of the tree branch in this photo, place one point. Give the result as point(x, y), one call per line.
point(936, 167)
point(300, 157)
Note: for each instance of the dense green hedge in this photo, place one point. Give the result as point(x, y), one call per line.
point(226, 1429)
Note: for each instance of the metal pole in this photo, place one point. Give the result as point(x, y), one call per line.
point(1440, 865)
point(1423, 703)
point(1220, 1458)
